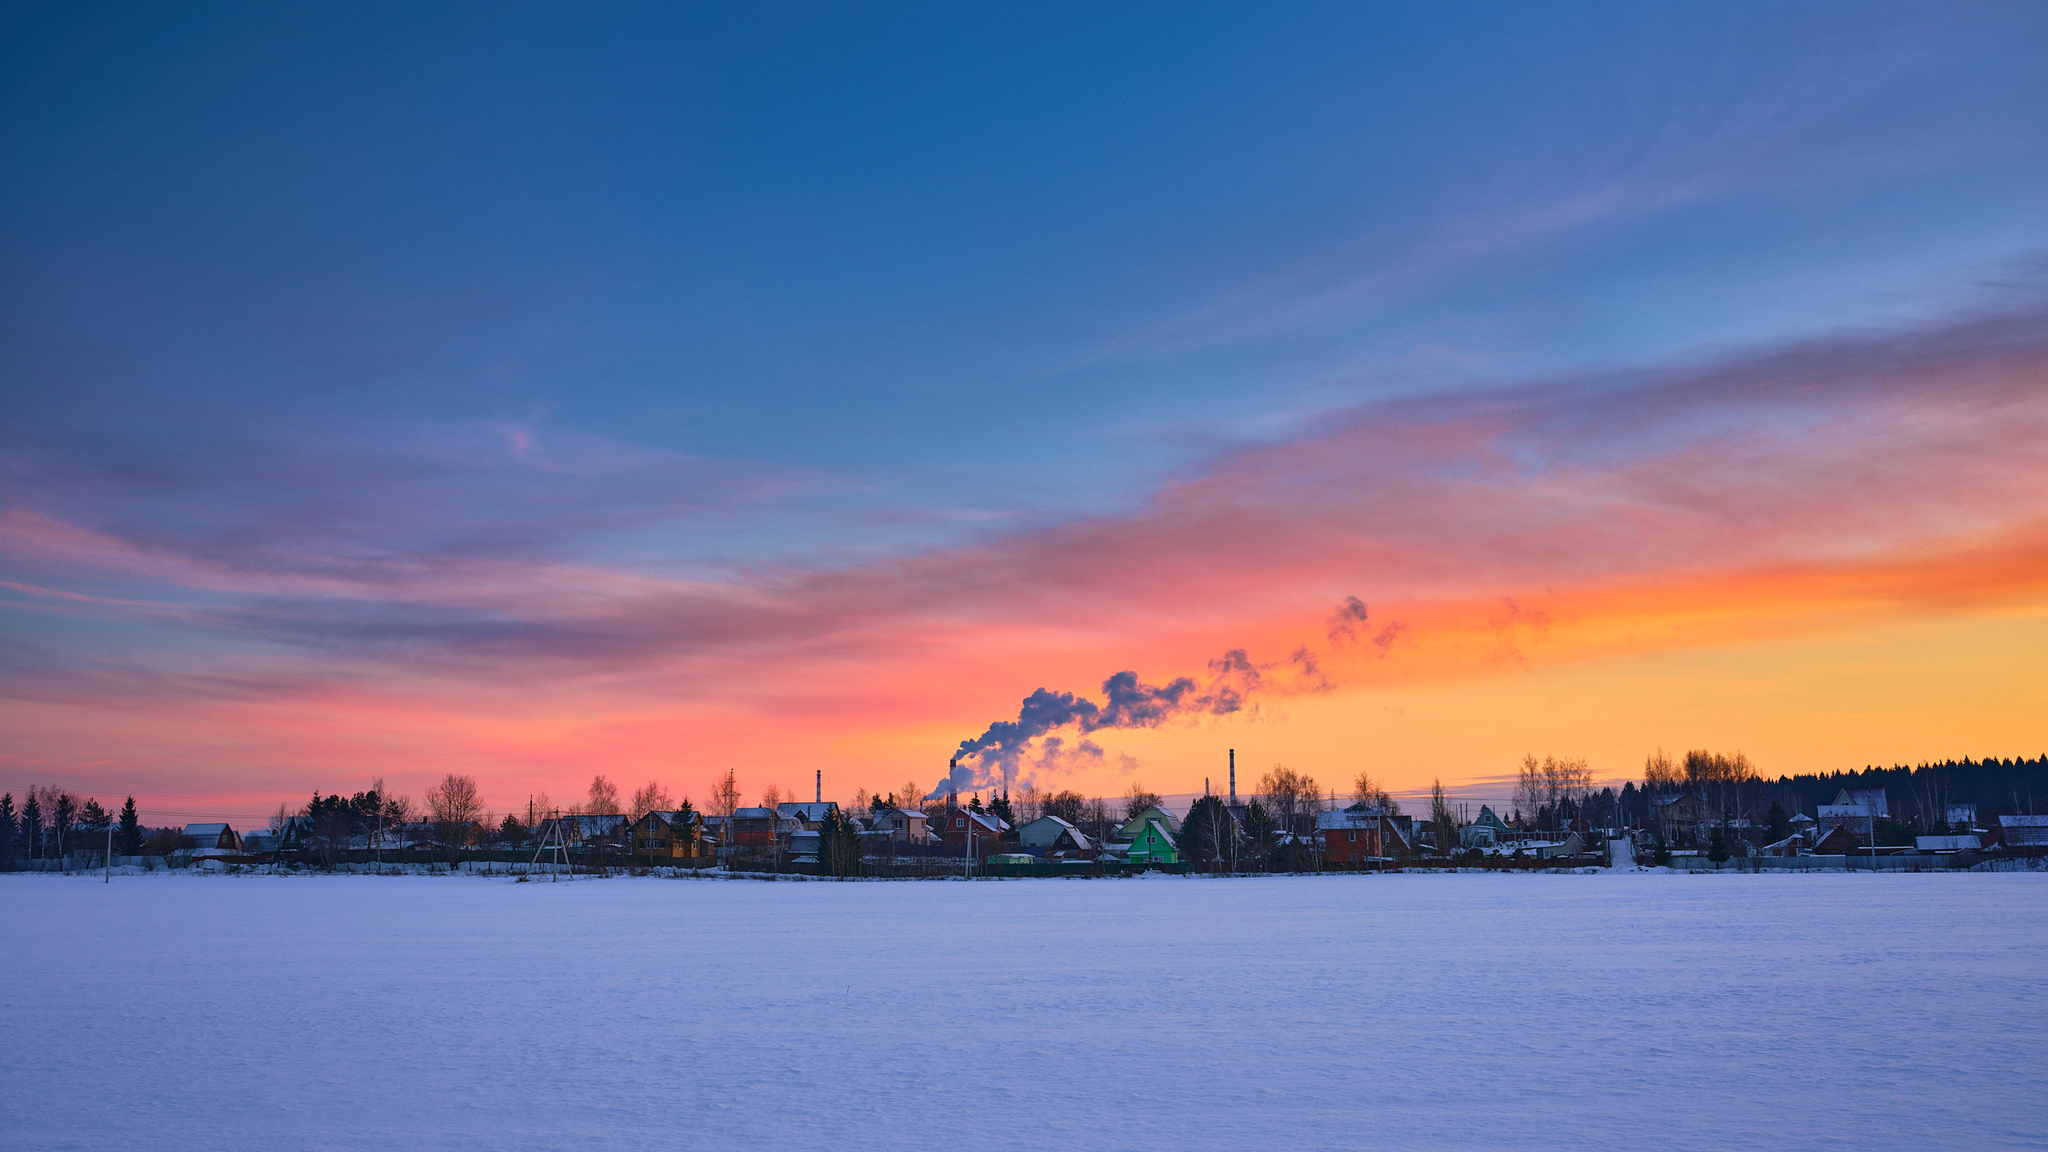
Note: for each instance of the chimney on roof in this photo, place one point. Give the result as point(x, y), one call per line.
point(1233, 777)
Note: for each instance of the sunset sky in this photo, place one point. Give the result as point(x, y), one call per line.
point(539, 392)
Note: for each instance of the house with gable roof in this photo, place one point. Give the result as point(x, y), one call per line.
point(1485, 832)
point(1151, 838)
point(209, 837)
point(676, 835)
point(972, 833)
point(1360, 833)
point(1053, 836)
point(901, 825)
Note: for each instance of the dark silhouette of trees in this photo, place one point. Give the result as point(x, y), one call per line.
point(1068, 805)
point(1138, 799)
point(128, 837)
point(839, 846)
point(32, 825)
point(1208, 837)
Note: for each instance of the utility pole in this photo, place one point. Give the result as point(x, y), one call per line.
point(110, 856)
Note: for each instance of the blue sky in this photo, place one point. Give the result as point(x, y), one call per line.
point(935, 266)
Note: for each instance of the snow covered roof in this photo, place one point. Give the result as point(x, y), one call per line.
point(806, 810)
point(1947, 843)
point(205, 829)
point(1871, 798)
point(1137, 823)
point(2023, 831)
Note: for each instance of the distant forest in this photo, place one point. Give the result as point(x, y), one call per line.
point(1996, 787)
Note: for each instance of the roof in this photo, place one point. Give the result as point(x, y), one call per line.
point(1349, 818)
point(809, 810)
point(1872, 798)
point(753, 814)
point(1947, 843)
point(1150, 813)
point(984, 822)
point(205, 829)
point(2028, 831)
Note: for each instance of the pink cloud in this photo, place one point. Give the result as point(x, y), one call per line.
point(1909, 471)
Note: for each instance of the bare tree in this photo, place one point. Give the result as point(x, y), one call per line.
point(280, 824)
point(1292, 797)
point(1660, 775)
point(1030, 803)
point(725, 795)
point(1366, 790)
point(1100, 820)
point(603, 799)
point(455, 804)
point(1552, 790)
point(1443, 817)
point(652, 798)
point(772, 796)
point(1137, 800)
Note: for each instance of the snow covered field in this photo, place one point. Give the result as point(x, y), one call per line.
point(1447, 1011)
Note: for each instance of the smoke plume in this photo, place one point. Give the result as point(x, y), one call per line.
point(1128, 702)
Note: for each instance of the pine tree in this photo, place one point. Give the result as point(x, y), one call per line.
point(62, 814)
point(32, 826)
point(1717, 849)
point(1207, 836)
point(93, 817)
point(7, 826)
point(128, 841)
point(999, 807)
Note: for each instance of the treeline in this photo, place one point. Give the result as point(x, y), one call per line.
point(51, 822)
point(1997, 787)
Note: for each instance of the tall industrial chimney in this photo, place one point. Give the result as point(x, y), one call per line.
point(821, 786)
point(1233, 777)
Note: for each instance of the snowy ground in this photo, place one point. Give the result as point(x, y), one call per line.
point(1449, 1011)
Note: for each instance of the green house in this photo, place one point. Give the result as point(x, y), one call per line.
point(1151, 844)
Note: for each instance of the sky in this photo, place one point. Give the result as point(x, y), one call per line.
point(538, 392)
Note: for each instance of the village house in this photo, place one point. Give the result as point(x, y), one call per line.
point(902, 825)
point(677, 835)
point(1358, 834)
point(1857, 809)
point(1150, 836)
point(755, 828)
point(2023, 831)
point(1485, 832)
point(1151, 844)
point(1685, 818)
point(205, 837)
point(1054, 836)
point(1571, 845)
point(581, 830)
point(971, 833)
point(1943, 845)
point(808, 815)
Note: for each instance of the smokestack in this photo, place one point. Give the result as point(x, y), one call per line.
point(1233, 777)
point(821, 786)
